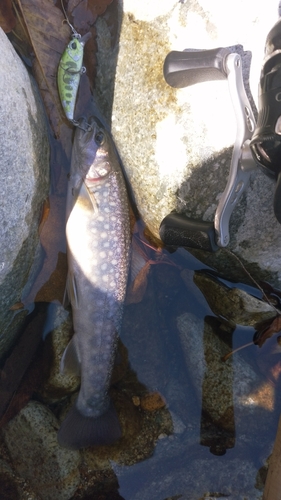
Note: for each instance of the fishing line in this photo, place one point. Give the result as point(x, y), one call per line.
point(66, 20)
point(253, 280)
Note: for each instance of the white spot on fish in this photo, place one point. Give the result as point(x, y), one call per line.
point(103, 235)
point(103, 266)
point(101, 218)
point(103, 255)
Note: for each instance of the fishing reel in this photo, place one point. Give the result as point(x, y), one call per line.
point(255, 144)
point(266, 140)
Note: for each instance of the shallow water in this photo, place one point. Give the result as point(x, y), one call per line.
point(194, 457)
point(184, 465)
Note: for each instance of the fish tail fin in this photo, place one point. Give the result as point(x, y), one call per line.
point(78, 431)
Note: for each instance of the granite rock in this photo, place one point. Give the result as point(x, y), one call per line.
point(24, 153)
point(51, 470)
point(236, 306)
point(176, 144)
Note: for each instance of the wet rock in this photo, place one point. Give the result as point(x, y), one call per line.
point(24, 152)
point(8, 487)
point(140, 432)
point(223, 386)
point(153, 401)
point(31, 438)
point(176, 144)
point(233, 304)
point(58, 384)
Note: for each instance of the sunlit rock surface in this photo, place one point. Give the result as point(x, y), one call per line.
point(24, 181)
point(176, 144)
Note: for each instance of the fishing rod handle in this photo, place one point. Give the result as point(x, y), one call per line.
point(182, 69)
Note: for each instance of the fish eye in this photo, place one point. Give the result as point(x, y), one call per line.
point(99, 137)
point(73, 45)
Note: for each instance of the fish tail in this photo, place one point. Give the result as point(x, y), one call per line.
point(78, 431)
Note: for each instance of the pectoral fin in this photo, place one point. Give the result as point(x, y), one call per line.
point(71, 292)
point(70, 361)
point(92, 198)
point(86, 198)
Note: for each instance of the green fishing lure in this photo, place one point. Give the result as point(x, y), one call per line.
point(69, 72)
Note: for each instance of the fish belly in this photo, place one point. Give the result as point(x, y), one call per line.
point(98, 258)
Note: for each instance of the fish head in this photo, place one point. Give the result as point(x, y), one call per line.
point(93, 148)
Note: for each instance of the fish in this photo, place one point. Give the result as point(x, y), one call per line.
point(69, 72)
point(98, 253)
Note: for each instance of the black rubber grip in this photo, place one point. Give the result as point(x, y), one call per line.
point(277, 199)
point(181, 231)
point(182, 69)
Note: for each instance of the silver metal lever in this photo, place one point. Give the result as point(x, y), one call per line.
point(242, 163)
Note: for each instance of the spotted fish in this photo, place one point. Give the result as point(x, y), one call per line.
point(98, 252)
point(69, 73)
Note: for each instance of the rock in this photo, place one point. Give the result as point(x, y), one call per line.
point(24, 152)
point(225, 385)
point(58, 384)
point(31, 438)
point(176, 144)
point(9, 488)
point(152, 401)
point(233, 304)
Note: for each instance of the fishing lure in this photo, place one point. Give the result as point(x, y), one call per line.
point(70, 70)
